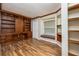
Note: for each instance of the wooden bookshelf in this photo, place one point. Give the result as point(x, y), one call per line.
point(73, 42)
point(73, 19)
point(12, 25)
point(71, 54)
point(73, 30)
point(73, 7)
point(73, 24)
point(73, 47)
point(27, 24)
point(6, 21)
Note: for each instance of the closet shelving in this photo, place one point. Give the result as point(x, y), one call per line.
point(73, 23)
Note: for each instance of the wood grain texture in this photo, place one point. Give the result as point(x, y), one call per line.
point(70, 54)
point(30, 47)
point(19, 24)
point(73, 7)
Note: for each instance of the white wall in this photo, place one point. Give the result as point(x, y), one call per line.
point(35, 28)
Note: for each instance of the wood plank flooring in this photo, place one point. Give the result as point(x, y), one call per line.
point(29, 47)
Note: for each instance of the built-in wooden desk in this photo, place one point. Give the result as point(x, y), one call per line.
point(7, 37)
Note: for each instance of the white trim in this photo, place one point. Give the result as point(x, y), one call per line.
point(64, 22)
point(49, 19)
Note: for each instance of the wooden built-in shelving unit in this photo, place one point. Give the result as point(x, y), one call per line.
point(27, 25)
point(73, 23)
point(74, 41)
point(73, 30)
point(7, 23)
point(73, 7)
point(13, 25)
point(72, 19)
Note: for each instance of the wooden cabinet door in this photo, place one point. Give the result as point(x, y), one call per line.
point(58, 37)
point(19, 24)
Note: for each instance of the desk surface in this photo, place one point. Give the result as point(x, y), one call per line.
point(14, 33)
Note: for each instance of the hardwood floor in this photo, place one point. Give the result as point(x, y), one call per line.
point(29, 47)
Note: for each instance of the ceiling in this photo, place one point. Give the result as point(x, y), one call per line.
point(31, 9)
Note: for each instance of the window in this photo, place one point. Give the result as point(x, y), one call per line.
point(49, 27)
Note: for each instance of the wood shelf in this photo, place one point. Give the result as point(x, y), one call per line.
point(7, 24)
point(73, 19)
point(73, 30)
point(73, 25)
point(8, 20)
point(73, 42)
point(27, 24)
point(71, 54)
point(7, 28)
point(74, 47)
point(76, 6)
